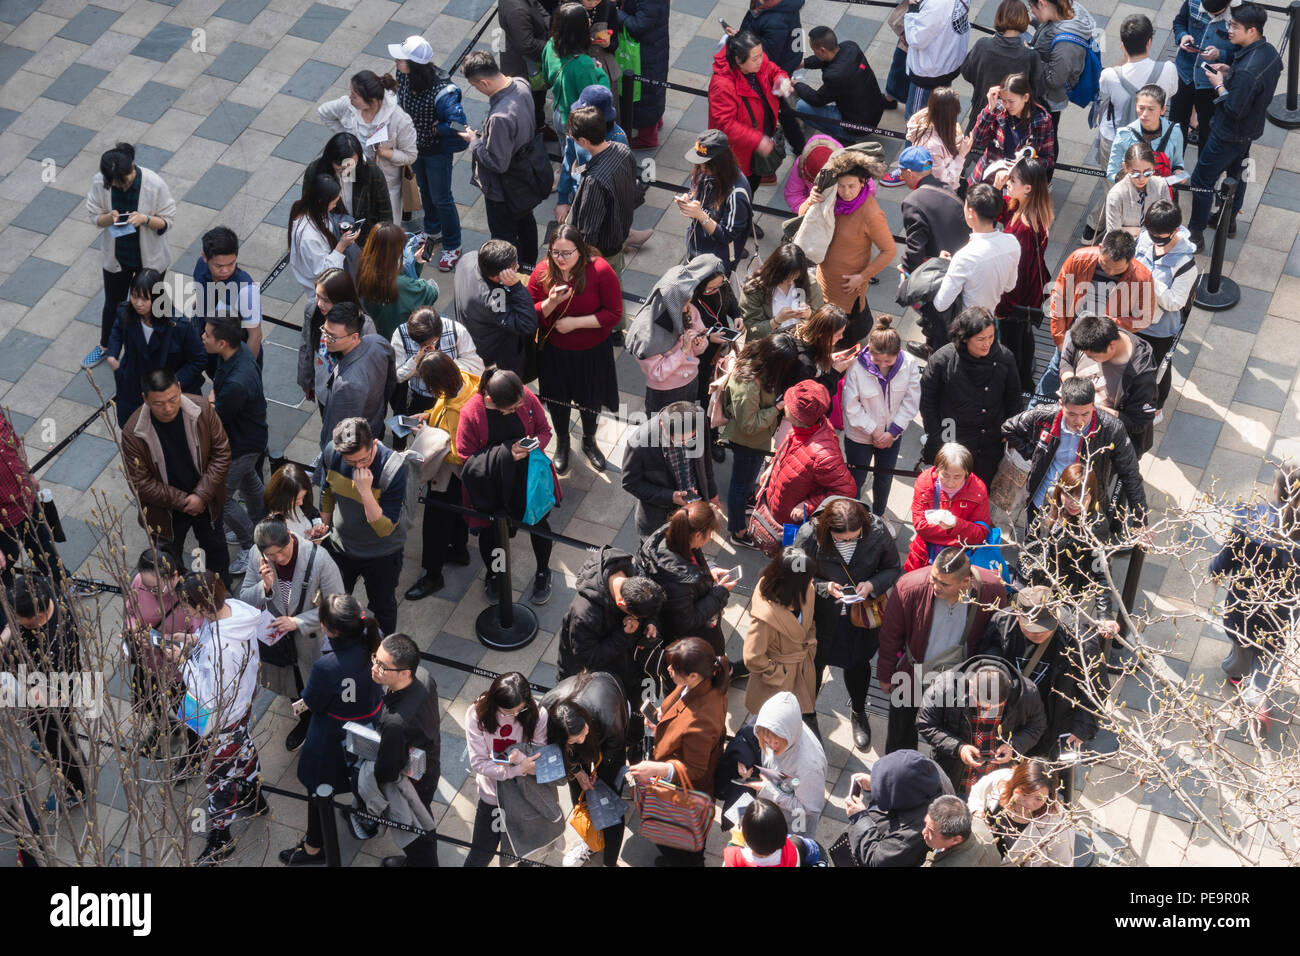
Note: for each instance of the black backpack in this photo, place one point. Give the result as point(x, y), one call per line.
point(528, 180)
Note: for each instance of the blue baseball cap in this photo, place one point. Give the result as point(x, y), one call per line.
point(916, 158)
point(599, 97)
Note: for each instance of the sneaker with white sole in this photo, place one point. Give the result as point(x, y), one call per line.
point(448, 260)
point(240, 564)
point(893, 179)
point(577, 856)
point(94, 357)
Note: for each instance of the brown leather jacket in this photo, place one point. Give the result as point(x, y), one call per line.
point(147, 472)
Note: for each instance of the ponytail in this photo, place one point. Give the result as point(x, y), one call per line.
point(696, 518)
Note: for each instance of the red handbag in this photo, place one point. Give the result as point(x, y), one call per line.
point(674, 816)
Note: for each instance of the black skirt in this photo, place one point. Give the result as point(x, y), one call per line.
point(585, 377)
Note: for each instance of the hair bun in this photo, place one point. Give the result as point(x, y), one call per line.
point(884, 322)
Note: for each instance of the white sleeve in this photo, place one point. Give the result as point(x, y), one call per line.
point(467, 357)
point(405, 363)
point(332, 113)
point(959, 269)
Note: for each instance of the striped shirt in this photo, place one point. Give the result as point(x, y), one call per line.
point(602, 208)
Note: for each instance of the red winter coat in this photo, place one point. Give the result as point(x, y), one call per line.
point(971, 504)
point(807, 468)
point(728, 93)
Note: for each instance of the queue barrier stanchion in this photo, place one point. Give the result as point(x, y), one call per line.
point(1284, 111)
point(508, 626)
point(1215, 292)
point(322, 804)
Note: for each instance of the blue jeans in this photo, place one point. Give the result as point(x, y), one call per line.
point(897, 85)
point(1050, 383)
point(746, 466)
point(881, 459)
point(1215, 157)
point(433, 176)
point(831, 112)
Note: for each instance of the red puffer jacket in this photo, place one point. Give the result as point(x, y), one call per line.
point(969, 505)
point(728, 93)
point(808, 467)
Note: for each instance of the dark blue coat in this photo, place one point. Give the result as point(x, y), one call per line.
point(777, 28)
point(1261, 574)
point(344, 672)
point(647, 22)
point(174, 345)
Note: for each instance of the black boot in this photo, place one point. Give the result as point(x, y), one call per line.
point(219, 847)
point(861, 731)
point(299, 733)
point(561, 458)
point(593, 453)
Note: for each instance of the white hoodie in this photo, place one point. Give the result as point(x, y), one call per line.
point(342, 117)
point(803, 759)
point(937, 35)
point(221, 674)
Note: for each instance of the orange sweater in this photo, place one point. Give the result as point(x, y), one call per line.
point(851, 249)
point(1130, 302)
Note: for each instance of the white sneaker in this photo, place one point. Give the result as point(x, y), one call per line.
point(1160, 417)
point(240, 564)
point(578, 855)
point(231, 537)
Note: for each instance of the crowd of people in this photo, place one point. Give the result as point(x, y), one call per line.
point(781, 361)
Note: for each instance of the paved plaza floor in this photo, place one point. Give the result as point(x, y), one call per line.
point(220, 96)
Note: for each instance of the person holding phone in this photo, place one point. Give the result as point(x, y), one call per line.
point(1202, 32)
point(314, 243)
point(778, 295)
point(364, 191)
point(134, 208)
point(502, 413)
point(369, 111)
point(820, 339)
point(717, 207)
point(502, 717)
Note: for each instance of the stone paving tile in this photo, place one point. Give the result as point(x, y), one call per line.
point(18, 352)
point(89, 25)
point(236, 61)
point(1249, 312)
point(318, 22)
point(162, 42)
point(226, 122)
point(390, 32)
point(217, 187)
point(151, 102)
point(467, 9)
point(312, 80)
point(12, 59)
point(74, 84)
point(63, 143)
point(31, 280)
point(1265, 384)
point(48, 210)
point(151, 157)
point(241, 11)
point(1189, 438)
point(16, 11)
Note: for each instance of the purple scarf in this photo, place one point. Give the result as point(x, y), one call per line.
point(844, 208)
point(884, 378)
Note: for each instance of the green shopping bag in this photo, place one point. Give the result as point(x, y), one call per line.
point(628, 57)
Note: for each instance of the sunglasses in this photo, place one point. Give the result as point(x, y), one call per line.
point(1142, 174)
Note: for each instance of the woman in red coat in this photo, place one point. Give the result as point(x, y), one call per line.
point(1027, 215)
point(808, 467)
point(742, 101)
point(948, 504)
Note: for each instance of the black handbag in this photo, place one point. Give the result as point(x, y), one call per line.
point(528, 180)
point(769, 164)
point(284, 652)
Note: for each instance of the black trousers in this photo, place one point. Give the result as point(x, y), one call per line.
point(520, 231)
point(486, 838)
point(58, 734)
point(442, 531)
point(117, 286)
point(1159, 349)
point(34, 537)
point(211, 538)
point(380, 574)
point(901, 731)
point(560, 416)
point(1187, 99)
point(1017, 334)
point(487, 543)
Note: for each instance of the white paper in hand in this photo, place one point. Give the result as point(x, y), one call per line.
point(120, 229)
point(380, 135)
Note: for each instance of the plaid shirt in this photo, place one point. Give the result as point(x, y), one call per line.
point(17, 489)
point(984, 736)
point(678, 464)
point(992, 138)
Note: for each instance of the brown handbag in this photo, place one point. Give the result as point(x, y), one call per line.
point(410, 191)
point(866, 614)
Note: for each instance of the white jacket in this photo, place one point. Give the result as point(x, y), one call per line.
point(867, 407)
point(937, 36)
point(155, 200)
point(311, 253)
point(221, 674)
point(1046, 841)
point(803, 760)
point(342, 117)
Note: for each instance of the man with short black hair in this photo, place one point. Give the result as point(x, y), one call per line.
point(956, 837)
point(983, 270)
point(237, 396)
point(409, 718)
point(493, 303)
point(1166, 249)
point(1243, 92)
point(510, 125)
point(224, 289)
point(363, 505)
point(176, 456)
point(364, 374)
point(1122, 372)
point(849, 90)
point(606, 197)
point(934, 223)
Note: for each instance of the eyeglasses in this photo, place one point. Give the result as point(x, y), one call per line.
point(382, 668)
point(1141, 173)
point(327, 337)
point(563, 253)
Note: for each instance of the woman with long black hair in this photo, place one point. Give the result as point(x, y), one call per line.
point(718, 203)
point(315, 241)
point(363, 189)
point(780, 294)
point(146, 336)
point(1027, 214)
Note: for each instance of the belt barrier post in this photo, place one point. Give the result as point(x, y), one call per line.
point(1213, 291)
point(322, 804)
point(1284, 111)
point(508, 626)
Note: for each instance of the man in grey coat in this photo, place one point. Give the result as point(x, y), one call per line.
point(363, 377)
point(287, 576)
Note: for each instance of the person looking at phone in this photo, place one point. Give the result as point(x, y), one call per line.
point(500, 416)
point(888, 806)
point(363, 502)
point(1202, 32)
point(819, 337)
point(779, 295)
point(808, 466)
point(285, 574)
point(1243, 91)
point(793, 762)
point(717, 207)
point(500, 718)
point(665, 465)
point(316, 239)
point(364, 374)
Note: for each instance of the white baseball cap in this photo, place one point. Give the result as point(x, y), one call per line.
point(414, 48)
